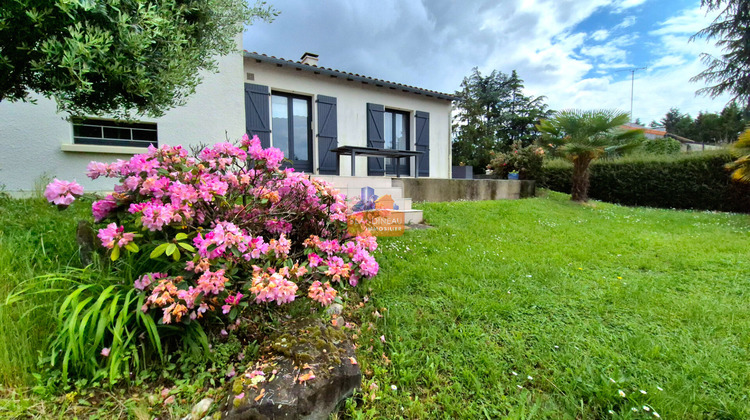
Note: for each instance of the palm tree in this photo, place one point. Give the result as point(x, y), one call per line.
point(583, 136)
point(741, 166)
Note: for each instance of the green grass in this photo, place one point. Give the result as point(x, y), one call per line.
point(35, 239)
point(570, 295)
point(527, 286)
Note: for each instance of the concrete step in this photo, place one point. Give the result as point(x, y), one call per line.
point(394, 192)
point(348, 182)
point(402, 203)
point(412, 216)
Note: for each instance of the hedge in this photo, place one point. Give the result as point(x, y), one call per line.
point(688, 181)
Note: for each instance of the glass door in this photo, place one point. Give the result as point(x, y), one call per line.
point(291, 128)
point(396, 133)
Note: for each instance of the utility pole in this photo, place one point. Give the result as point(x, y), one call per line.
point(632, 86)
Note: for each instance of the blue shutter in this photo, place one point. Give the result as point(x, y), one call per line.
point(423, 141)
point(328, 162)
point(375, 138)
point(257, 113)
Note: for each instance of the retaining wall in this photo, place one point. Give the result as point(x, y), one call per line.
point(433, 190)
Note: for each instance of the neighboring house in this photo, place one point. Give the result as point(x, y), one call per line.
point(687, 145)
point(303, 109)
point(650, 133)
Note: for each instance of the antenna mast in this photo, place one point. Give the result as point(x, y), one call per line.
point(632, 87)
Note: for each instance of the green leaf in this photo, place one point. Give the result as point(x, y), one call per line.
point(186, 246)
point(132, 247)
point(115, 253)
point(159, 250)
point(180, 236)
point(171, 248)
point(176, 254)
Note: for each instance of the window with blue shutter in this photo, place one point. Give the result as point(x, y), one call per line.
point(375, 138)
point(328, 162)
point(257, 113)
point(422, 141)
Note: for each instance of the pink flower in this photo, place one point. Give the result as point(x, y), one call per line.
point(281, 247)
point(156, 216)
point(102, 208)
point(97, 169)
point(145, 280)
point(62, 193)
point(314, 259)
point(322, 293)
point(105, 352)
point(234, 299)
point(113, 235)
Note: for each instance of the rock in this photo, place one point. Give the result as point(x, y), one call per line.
point(308, 373)
point(86, 239)
point(335, 309)
point(200, 409)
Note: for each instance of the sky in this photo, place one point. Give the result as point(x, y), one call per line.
point(576, 53)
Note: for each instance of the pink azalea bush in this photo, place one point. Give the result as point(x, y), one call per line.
point(232, 227)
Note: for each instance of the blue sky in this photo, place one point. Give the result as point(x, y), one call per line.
point(576, 53)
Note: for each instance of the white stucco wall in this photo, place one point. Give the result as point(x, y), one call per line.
point(352, 98)
point(33, 136)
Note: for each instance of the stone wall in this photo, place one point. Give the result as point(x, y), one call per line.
point(433, 190)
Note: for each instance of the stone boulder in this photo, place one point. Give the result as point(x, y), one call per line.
point(310, 369)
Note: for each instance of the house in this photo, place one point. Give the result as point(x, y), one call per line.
point(648, 132)
point(302, 108)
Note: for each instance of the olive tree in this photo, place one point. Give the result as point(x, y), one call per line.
point(119, 57)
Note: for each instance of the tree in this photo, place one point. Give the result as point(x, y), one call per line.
point(730, 72)
point(708, 127)
point(492, 113)
point(583, 136)
point(116, 57)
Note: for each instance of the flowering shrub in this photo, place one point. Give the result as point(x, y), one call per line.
point(526, 161)
point(231, 227)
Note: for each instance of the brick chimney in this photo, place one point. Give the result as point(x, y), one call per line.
point(309, 59)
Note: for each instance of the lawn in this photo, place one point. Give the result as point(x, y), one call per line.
point(543, 308)
point(536, 308)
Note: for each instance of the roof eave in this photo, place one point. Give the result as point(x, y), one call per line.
point(349, 76)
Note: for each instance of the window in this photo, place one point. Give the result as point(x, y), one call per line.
point(396, 134)
point(114, 133)
point(291, 128)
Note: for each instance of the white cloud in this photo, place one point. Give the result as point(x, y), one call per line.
point(626, 23)
point(627, 4)
point(435, 43)
point(686, 23)
point(599, 35)
point(668, 61)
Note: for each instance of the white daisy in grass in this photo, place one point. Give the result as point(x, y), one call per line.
point(635, 409)
point(644, 392)
point(612, 380)
point(657, 415)
point(530, 378)
point(659, 388)
point(621, 392)
point(646, 408)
